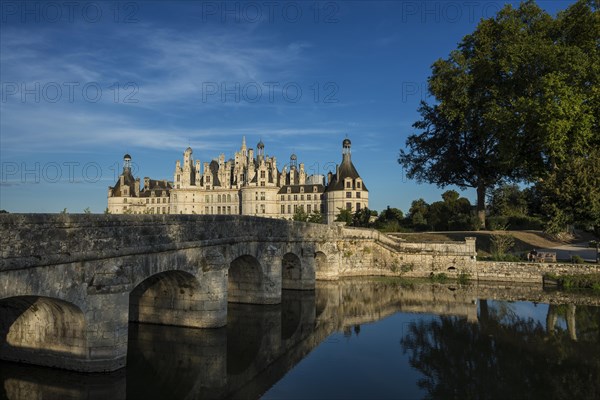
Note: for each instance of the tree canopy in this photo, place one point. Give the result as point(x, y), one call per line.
point(518, 99)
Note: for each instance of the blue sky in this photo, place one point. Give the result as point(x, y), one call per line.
point(83, 83)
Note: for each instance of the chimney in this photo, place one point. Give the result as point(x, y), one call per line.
point(136, 187)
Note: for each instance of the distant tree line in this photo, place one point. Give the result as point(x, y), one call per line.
point(509, 207)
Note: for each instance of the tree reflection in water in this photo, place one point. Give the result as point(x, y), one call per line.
point(507, 356)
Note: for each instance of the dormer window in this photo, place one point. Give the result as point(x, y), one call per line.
point(315, 189)
point(289, 190)
point(348, 184)
point(358, 184)
point(301, 189)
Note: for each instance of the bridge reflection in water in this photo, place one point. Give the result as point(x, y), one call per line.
point(261, 343)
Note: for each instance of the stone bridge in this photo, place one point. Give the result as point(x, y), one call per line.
point(70, 284)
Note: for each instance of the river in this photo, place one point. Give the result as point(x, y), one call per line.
point(357, 339)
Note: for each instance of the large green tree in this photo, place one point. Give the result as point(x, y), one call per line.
point(516, 99)
point(571, 193)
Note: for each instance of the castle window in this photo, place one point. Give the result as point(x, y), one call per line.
point(147, 201)
point(295, 208)
point(302, 197)
point(358, 195)
point(208, 179)
point(125, 200)
point(219, 210)
point(349, 206)
point(357, 206)
point(178, 178)
point(262, 209)
point(165, 200)
point(218, 198)
point(308, 208)
point(348, 195)
point(295, 197)
point(262, 184)
point(206, 210)
point(262, 174)
point(228, 209)
point(308, 197)
point(229, 198)
point(289, 197)
point(289, 209)
point(358, 185)
point(282, 197)
point(262, 195)
point(283, 209)
point(348, 184)
point(256, 196)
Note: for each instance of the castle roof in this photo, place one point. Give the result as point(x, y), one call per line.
point(153, 185)
point(345, 170)
point(128, 180)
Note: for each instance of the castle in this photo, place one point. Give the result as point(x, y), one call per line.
point(248, 184)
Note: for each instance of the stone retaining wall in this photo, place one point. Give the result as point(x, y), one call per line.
point(527, 272)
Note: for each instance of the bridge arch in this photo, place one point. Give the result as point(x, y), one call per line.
point(245, 279)
point(171, 298)
point(291, 271)
point(42, 330)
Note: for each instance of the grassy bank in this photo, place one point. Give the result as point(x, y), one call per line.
point(575, 282)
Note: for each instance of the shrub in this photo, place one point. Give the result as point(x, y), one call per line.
point(504, 257)
point(514, 222)
point(439, 278)
point(576, 259)
point(501, 243)
point(463, 278)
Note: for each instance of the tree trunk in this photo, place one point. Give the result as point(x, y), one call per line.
point(481, 205)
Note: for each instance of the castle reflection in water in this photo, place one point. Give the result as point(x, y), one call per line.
point(260, 344)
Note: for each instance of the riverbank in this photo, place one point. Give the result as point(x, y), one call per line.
point(528, 272)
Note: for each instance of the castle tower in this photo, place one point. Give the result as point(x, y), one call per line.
point(345, 190)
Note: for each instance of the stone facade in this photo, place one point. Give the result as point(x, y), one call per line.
point(247, 184)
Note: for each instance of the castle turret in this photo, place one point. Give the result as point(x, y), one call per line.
point(345, 190)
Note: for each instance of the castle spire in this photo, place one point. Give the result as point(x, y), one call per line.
point(346, 153)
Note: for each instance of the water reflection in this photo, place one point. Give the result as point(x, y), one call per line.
point(455, 345)
point(505, 355)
